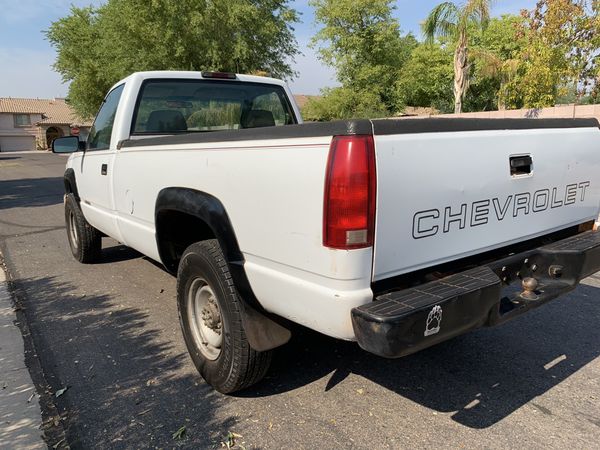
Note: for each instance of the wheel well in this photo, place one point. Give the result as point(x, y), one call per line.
point(70, 183)
point(184, 217)
point(68, 187)
point(176, 231)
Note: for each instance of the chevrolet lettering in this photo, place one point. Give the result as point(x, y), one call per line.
point(433, 221)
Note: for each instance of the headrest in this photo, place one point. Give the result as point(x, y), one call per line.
point(258, 118)
point(166, 120)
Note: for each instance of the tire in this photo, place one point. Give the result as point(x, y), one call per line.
point(85, 241)
point(211, 321)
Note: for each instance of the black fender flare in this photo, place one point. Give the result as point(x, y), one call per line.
point(264, 331)
point(70, 183)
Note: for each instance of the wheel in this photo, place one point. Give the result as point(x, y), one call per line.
point(85, 241)
point(211, 321)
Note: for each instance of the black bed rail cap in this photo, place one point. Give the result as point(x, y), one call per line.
point(449, 124)
point(305, 130)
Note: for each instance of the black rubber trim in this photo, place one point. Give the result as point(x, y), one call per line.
point(205, 207)
point(384, 127)
point(71, 183)
point(379, 127)
point(313, 129)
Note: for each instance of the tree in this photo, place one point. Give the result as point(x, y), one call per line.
point(98, 46)
point(451, 21)
point(344, 103)
point(496, 56)
point(426, 78)
point(362, 41)
point(561, 55)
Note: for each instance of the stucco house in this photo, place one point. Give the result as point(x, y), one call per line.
point(32, 124)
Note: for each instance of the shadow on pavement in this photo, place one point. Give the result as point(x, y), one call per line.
point(111, 359)
point(31, 192)
point(117, 253)
point(482, 377)
point(4, 157)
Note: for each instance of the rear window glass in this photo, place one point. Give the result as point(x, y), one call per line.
point(185, 106)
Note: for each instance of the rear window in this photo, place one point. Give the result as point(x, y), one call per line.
point(185, 106)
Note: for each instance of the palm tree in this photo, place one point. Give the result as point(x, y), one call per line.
point(452, 21)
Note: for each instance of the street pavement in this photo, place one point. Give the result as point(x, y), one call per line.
point(108, 333)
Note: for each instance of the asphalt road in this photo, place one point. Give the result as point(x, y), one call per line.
point(109, 333)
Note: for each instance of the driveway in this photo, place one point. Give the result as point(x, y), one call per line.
point(109, 334)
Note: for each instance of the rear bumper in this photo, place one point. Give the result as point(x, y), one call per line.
point(403, 322)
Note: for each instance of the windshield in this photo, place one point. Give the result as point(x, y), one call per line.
point(184, 106)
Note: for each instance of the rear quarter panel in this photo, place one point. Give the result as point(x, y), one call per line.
point(272, 191)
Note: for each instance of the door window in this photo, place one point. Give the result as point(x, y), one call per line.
point(99, 137)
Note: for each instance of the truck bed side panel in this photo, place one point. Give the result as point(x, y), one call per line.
point(273, 194)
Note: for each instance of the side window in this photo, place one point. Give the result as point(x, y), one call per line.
point(99, 137)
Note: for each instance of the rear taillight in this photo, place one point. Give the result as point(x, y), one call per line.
point(350, 183)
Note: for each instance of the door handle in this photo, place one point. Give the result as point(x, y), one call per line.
point(104, 169)
point(521, 165)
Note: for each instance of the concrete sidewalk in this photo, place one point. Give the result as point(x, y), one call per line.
point(20, 415)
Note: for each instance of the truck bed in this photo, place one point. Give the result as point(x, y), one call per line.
point(444, 186)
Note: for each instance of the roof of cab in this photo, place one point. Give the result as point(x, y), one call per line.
point(179, 74)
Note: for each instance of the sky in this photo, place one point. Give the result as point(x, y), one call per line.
point(26, 58)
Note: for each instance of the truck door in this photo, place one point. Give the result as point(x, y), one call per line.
point(94, 180)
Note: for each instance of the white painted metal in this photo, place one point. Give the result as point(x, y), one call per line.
point(96, 189)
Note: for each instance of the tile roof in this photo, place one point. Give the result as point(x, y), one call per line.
point(13, 105)
point(55, 111)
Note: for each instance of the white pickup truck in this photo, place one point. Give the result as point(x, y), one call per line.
point(398, 234)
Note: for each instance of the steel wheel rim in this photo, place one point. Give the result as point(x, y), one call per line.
point(205, 319)
point(73, 237)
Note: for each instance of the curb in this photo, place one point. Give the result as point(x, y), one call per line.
point(20, 413)
point(42, 427)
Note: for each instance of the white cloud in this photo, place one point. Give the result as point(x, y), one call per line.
point(28, 73)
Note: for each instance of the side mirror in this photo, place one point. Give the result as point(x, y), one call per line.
point(67, 144)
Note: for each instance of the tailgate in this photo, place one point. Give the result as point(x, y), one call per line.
point(443, 195)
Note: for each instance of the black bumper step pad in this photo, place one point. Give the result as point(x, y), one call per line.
point(578, 243)
point(399, 303)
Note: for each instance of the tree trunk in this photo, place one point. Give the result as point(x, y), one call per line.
point(502, 95)
point(461, 72)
